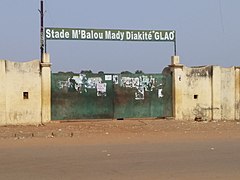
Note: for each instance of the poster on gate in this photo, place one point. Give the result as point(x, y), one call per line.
point(102, 89)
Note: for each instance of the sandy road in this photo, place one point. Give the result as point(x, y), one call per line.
point(139, 149)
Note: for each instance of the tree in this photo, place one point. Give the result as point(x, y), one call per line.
point(86, 72)
point(126, 72)
point(139, 72)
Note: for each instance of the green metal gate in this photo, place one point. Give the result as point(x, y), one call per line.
point(81, 96)
point(97, 96)
point(145, 95)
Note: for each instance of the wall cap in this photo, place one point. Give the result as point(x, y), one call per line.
point(46, 64)
point(176, 66)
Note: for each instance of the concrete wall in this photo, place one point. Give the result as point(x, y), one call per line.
point(205, 93)
point(22, 91)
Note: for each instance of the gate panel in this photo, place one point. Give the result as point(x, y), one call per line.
point(96, 96)
point(139, 96)
point(81, 96)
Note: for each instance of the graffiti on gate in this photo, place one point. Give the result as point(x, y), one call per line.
point(141, 84)
point(145, 82)
point(82, 83)
point(88, 95)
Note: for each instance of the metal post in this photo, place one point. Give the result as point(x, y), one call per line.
point(41, 30)
point(175, 45)
point(45, 45)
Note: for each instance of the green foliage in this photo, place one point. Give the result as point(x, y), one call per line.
point(100, 72)
point(86, 72)
point(126, 72)
point(139, 72)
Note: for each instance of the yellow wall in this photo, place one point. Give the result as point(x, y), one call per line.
point(207, 92)
point(19, 79)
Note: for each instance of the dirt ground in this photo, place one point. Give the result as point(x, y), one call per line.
point(92, 131)
point(121, 149)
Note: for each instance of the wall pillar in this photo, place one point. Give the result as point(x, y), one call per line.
point(2, 92)
point(177, 73)
point(46, 88)
point(237, 93)
point(216, 93)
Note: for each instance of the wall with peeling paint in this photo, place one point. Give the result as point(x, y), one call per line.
point(205, 93)
point(199, 93)
point(141, 96)
point(22, 92)
point(198, 84)
point(81, 96)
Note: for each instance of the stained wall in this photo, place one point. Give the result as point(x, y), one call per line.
point(205, 92)
point(24, 93)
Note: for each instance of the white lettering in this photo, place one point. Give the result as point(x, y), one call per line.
point(108, 35)
point(156, 36)
point(120, 35)
point(172, 35)
point(57, 34)
point(139, 36)
point(75, 34)
point(83, 34)
point(48, 33)
point(67, 35)
point(164, 36)
point(128, 35)
point(114, 35)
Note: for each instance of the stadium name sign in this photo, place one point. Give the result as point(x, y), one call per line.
point(109, 34)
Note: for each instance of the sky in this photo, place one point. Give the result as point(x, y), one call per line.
point(207, 33)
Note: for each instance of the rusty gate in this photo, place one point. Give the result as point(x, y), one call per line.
point(100, 96)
